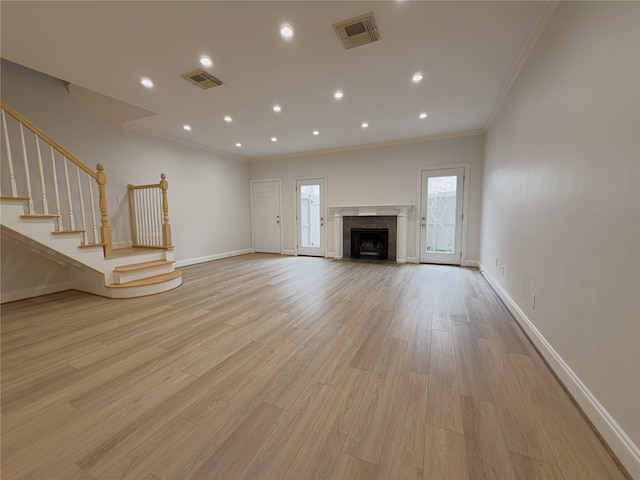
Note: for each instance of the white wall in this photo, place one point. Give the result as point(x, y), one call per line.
point(208, 192)
point(381, 175)
point(26, 274)
point(561, 208)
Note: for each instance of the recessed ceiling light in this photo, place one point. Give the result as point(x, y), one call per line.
point(228, 119)
point(238, 144)
point(286, 31)
point(205, 61)
point(146, 82)
point(417, 77)
point(365, 124)
point(338, 95)
point(423, 115)
point(316, 132)
point(274, 139)
point(187, 127)
point(277, 108)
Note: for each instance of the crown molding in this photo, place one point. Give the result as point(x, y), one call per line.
point(534, 35)
point(368, 146)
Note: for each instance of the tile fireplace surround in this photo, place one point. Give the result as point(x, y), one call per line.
point(396, 210)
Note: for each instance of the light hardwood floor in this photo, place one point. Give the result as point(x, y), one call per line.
point(267, 367)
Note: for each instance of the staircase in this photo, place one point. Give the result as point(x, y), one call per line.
point(85, 249)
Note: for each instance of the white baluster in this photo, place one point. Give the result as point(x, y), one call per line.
point(14, 187)
point(148, 217)
point(45, 206)
point(158, 204)
point(93, 211)
point(66, 175)
point(82, 216)
point(26, 170)
point(55, 190)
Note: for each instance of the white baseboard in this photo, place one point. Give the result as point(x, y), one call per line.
point(211, 258)
point(128, 244)
point(471, 263)
point(35, 291)
point(412, 260)
point(289, 252)
point(627, 452)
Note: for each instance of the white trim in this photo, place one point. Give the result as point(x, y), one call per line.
point(471, 263)
point(465, 204)
point(289, 252)
point(36, 291)
point(534, 34)
point(412, 260)
point(627, 452)
point(210, 258)
point(367, 146)
point(251, 183)
point(126, 244)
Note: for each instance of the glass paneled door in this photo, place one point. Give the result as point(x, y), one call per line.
point(441, 216)
point(310, 218)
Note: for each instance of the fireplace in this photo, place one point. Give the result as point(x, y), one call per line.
point(370, 237)
point(371, 244)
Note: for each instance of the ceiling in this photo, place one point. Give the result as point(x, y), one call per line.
point(466, 52)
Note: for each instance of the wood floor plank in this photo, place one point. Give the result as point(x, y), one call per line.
point(530, 469)
point(471, 375)
point(276, 367)
point(419, 345)
point(320, 451)
point(275, 456)
point(403, 452)
point(444, 394)
point(229, 460)
point(353, 468)
point(366, 438)
point(445, 455)
point(487, 454)
point(515, 410)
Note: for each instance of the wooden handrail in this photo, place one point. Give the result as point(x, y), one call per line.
point(47, 139)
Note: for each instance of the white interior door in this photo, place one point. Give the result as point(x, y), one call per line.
point(310, 216)
point(441, 216)
point(266, 216)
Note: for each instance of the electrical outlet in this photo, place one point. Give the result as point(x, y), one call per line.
point(533, 301)
point(497, 263)
point(502, 270)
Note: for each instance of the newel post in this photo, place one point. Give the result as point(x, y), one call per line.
point(105, 229)
point(166, 227)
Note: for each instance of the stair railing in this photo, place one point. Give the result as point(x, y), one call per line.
point(57, 174)
point(149, 215)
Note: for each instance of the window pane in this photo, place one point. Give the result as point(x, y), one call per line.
point(441, 214)
point(309, 216)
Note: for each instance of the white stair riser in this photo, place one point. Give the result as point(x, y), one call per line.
point(142, 291)
point(124, 277)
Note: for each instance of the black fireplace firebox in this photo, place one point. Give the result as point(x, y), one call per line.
point(370, 243)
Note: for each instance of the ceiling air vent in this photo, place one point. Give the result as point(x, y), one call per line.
point(202, 79)
point(358, 31)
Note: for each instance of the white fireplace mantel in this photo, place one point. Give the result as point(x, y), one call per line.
point(399, 210)
point(394, 209)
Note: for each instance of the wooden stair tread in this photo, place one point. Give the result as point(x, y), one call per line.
point(90, 245)
point(141, 266)
point(60, 232)
point(40, 216)
point(165, 277)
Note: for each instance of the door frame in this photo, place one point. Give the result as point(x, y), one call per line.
point(253, 233)
point(323, 210)
point(465, 207)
